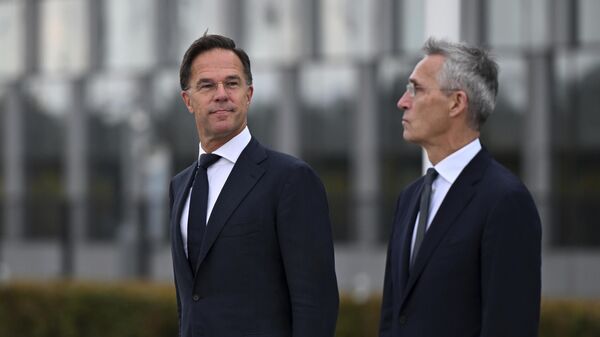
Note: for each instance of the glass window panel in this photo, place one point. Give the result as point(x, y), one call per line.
point(323, 84)
point(576, 178)
point(328, 98)
point(502, 133)
point(176, 128)
point(44, 130)
point(392, 78)
point(2, 160)
point(130, 34)
point(274, 31)
point(588, 121)
point(11, 38)
point(197, 16)
point(577, 93)
point(166, 86)
point(412, 27)
point(327, 94)
point(112, 97)
point(2, 201)
point(63, 35)
point(589, 25)
point(442, 19)
point(400, 160)
point(348, 28)
point(506, 19)
point(3, 113)
point(105, 186)
point(111, 104)
point(263, 110)
point(537, 29)
point(519, 23)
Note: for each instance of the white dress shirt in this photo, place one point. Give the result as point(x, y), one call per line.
point(217, 175)
point(448, 169)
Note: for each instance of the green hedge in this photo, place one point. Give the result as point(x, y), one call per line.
point(570, 318)
point(66, 309)
point(87, 310)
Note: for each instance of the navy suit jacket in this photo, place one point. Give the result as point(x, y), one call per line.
point(266, 266)
point(478, 269)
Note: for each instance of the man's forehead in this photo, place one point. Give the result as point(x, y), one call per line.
point(218, 59)
point(427, 68)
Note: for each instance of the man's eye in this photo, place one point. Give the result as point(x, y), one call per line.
point(206, 86)
point(232, 84)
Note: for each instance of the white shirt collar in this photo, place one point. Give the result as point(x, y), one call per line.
point(450, 167)
point(233, 148)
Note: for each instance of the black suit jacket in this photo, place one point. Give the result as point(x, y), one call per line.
point(266, 266)
point(478, 269)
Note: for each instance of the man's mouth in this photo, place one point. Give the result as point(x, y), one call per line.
point(221, 111)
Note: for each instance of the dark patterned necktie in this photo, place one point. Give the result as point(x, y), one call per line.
point(424, 212)
point(198, 207)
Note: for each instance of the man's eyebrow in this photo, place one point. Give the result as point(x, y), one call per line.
point(204, 80)
point(208, 80)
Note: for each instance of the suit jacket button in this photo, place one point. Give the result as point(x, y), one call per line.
point(195, 297)
point(402, 319)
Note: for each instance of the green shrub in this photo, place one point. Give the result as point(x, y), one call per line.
point(88, 310)
point(358, 318)
point(68, 309)
point(570, 318)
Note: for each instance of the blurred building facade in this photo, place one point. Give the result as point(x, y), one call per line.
point(93, 126)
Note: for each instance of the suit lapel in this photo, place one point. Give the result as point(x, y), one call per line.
point(245, 174)
point(455, 201)
point(181, 194)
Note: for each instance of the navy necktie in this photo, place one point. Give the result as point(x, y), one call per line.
point(424, 212)
point(198, 207)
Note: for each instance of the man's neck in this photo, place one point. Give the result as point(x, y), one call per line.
point(212, 144)
point(437, 152)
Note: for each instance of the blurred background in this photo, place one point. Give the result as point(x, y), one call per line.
point(92, 124)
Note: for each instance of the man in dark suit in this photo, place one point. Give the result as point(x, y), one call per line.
point(464, 256)
point(251, 238)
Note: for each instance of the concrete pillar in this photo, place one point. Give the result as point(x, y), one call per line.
point(96, 40)
point(133, 233)
point(13, 163)
point(166, 46)
point(536, 150)
point(76, 177)
point(390, 27)
point(156, 197)
point(313, 27)
point(473, 25)
point(32, 35)
point(564, 24)
point(364, 158)
point(288, 128)
point(236, 25)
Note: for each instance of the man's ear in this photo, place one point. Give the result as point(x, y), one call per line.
point(459, 103)
point(249, 93)
point(186, 100)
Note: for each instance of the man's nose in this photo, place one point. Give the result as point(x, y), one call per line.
point(404, 102)
point(220, 92)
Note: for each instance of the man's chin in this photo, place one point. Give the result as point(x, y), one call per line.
point(226, 132)
point(411, 138)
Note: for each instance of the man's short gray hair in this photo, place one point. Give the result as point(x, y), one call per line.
point(470, 69)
